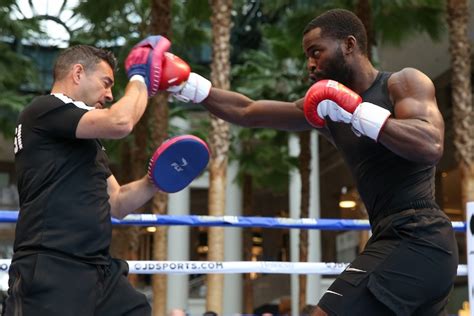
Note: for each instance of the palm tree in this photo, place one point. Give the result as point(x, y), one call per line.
point(459, 46)
point(158, 115)
point(219, 145)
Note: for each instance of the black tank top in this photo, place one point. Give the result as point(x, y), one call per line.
point(387, 183)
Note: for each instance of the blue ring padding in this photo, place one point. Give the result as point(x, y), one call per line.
point(235, 221)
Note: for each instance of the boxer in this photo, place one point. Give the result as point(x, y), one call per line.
point(390, 132)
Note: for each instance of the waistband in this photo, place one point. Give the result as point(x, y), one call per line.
point(22, 253)
point(413, 205)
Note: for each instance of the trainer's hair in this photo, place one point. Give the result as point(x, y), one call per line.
point(339, 24)
point(87, 56)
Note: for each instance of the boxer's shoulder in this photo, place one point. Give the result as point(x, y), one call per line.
point(408, 80)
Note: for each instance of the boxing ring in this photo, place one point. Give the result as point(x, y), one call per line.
point(275, 267)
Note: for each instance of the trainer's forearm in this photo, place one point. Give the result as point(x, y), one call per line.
point(133, 103)
point(132, 196)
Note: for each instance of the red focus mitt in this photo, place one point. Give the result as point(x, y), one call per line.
point(146, 59)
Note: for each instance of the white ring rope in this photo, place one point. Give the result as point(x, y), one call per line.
point(226, 267)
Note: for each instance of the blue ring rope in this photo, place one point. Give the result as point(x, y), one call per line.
point(235, 221)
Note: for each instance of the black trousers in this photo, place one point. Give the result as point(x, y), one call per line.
point(408, 267)
point(49, 285)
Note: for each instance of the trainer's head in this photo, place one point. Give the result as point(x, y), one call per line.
point(86, 74)
point(332, 42)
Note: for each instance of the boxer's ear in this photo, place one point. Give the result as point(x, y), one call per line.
point(349, 45)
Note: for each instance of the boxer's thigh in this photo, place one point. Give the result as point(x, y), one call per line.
point(419, 274)
point(349, 292)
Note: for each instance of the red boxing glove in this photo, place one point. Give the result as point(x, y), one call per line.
point(146, 59)
point(341, 104)
point(184, 85)
point(175, 71)
point(344, 102)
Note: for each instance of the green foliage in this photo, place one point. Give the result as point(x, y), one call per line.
point(275, 71)
point(395, 21)
point(16, 70)
point(11, 103)
point(264, 155)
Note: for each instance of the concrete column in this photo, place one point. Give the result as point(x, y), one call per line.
point(233, 244)
point(178, 249)
point(178, 242)
point(295, 203)
point(314, 251)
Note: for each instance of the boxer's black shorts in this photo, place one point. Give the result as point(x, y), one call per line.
point(407, 268)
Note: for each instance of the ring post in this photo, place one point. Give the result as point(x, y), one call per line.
point(470, 253)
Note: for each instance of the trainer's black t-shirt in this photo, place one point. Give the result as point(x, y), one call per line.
point(62, 183)
point(385, 181)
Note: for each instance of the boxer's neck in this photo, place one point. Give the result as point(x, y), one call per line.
point(365, 74)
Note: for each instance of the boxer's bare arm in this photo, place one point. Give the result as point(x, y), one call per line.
point(241, 110)
point(416, 132)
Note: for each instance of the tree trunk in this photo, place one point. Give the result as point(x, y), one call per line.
point(158, 109)
point(305, 172)
point(363, 10)
point(459, 46)
point(158, 128)
point(219, 145)
point(125, 240)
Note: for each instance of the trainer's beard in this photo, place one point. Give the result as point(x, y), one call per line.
point(337, 69)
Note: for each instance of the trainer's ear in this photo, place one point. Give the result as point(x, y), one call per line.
point(350, 45)
point(77, 72)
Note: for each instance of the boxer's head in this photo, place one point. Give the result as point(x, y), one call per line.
point(86, 73)
point(330, 42)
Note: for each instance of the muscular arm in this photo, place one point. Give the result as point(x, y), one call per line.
point(241, 110)
point(118, 120)
point(127, 198)
point(416, 132)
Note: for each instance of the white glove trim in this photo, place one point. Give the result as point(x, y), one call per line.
point(368, 119)
point(195, 89)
